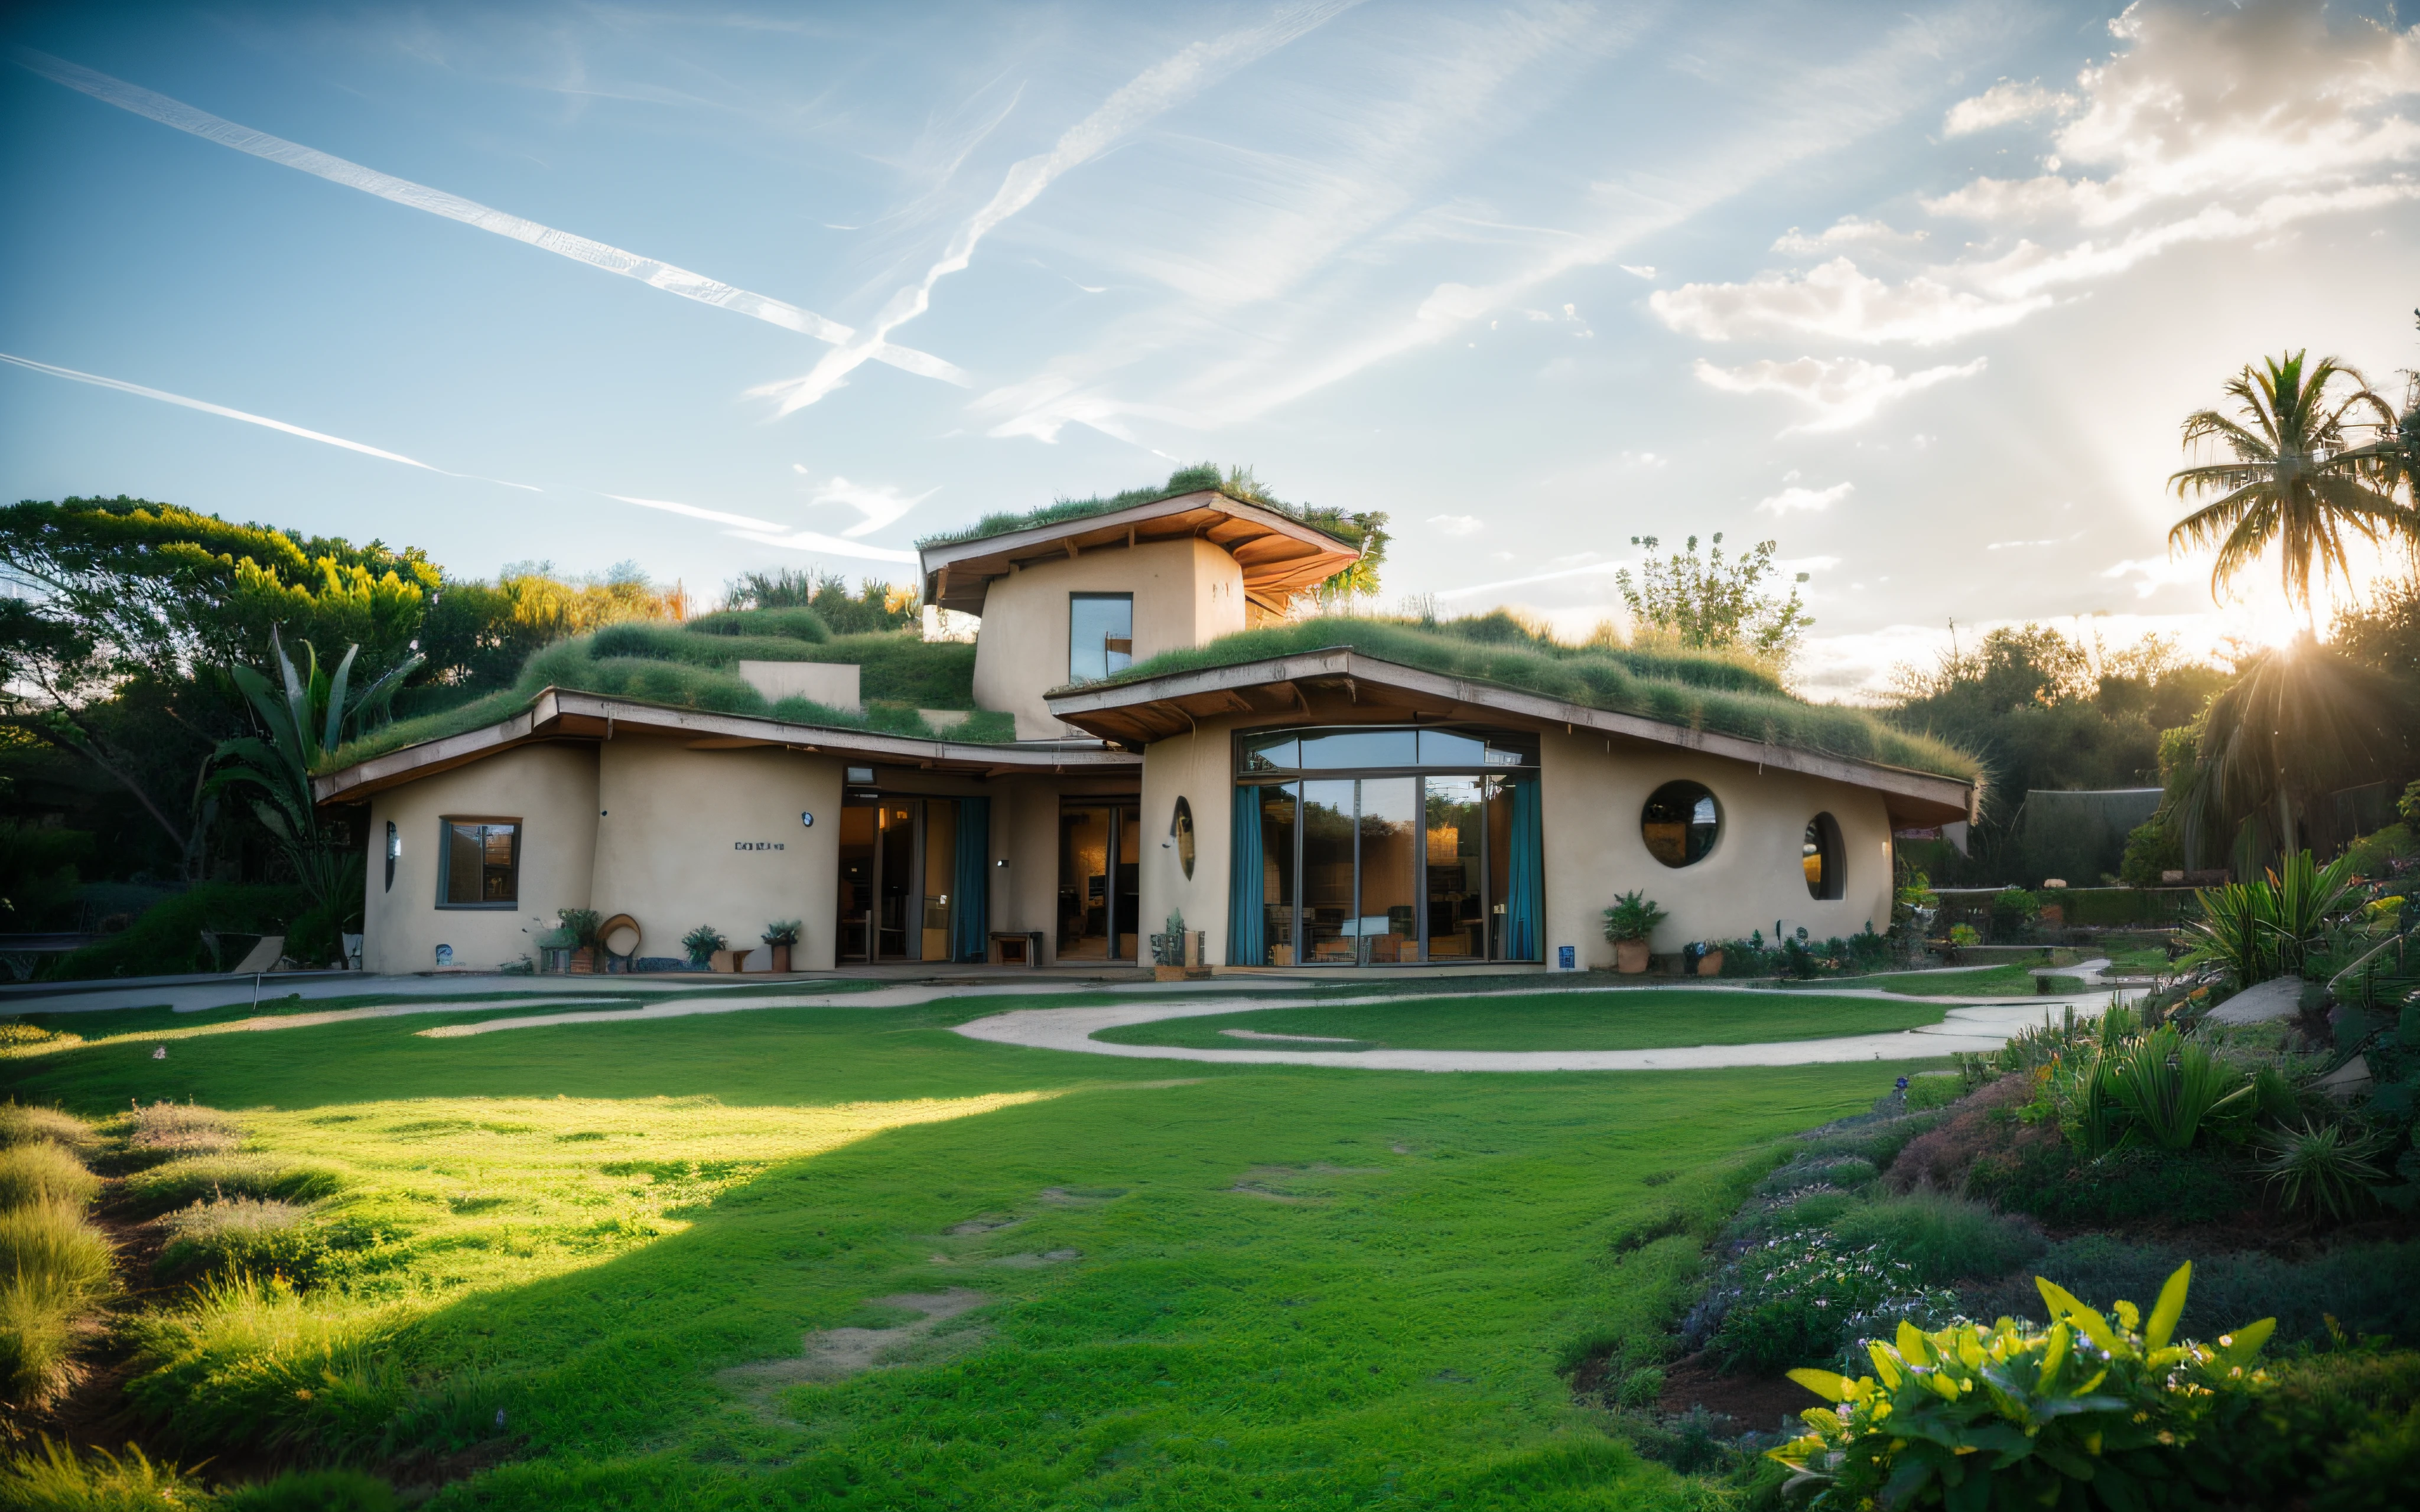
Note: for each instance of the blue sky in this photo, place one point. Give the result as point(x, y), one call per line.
point(1922, 294)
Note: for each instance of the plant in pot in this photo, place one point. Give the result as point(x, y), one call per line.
point(1168, 951)
point(1628, 925)
point(583, 924)
point(779, 936)
point(701, 943)
point(554, 947)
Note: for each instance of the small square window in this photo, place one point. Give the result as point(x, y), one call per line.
point(1100, 635)
point(480, 863)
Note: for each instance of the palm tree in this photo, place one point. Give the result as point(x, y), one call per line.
point(2295, 481)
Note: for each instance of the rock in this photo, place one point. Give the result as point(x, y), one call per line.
point(2346, 1080)
point(2280, 997)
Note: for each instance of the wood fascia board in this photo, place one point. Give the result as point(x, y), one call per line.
point(1017, 544)
point(553, 705)
point(1945, 794)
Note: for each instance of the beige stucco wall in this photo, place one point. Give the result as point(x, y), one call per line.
point(1591, 803)
point(551, 789)
point(1185, 592)
point(1752, 878)
point(671, 824)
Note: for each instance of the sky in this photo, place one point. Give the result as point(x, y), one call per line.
point(1922, 294)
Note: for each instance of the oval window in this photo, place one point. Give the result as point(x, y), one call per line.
point(1180, 828)
point(1821, 858)
point(1681, 823)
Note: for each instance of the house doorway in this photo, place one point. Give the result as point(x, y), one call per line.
point(897, 858)
point(1100, 888)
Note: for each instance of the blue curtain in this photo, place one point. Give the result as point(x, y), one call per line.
point(1523, 927)
point(971, 920)
point(1246, 916)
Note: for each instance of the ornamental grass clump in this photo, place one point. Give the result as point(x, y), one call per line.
point(2079, 1415)
point(181, 1129)
point(43, 1172)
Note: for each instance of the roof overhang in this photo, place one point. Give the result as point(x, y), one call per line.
point(1137, 713)
point(1281, 555)
point(556, 714)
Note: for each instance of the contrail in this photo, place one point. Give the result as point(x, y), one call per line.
point(246, 416)
point(648, 271)
point(771, 533)
point(1157, 89)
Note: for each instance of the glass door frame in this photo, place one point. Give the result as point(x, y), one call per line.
point(1111, 865)
point(869, 948)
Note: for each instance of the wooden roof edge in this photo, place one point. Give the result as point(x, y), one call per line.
point(943, 554)
point(552, 705)
point(1931, 790)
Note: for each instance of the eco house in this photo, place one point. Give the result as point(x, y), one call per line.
point(1140, 731)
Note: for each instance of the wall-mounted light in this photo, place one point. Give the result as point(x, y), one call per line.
point(807, 819)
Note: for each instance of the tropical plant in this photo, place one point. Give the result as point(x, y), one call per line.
point(304, 718)
point(2292, 482)
point(2234, 931)
point(583, 924)
point(2319, 1169)
point(2079, 1415)
point(701, 942)
point(2271, 927)
point(784, 931)
point(2171, 1090)
point(1632, 916)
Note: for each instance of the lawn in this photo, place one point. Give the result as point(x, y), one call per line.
point(1276, 1287)
point(1982, 981)
point(1641, 1019)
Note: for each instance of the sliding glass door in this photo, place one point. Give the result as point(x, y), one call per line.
point(1100, 885)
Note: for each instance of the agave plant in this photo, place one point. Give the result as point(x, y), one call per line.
point(2269, 928)
point(2173, 1089)
point(303, 719)
point(2321, 1167)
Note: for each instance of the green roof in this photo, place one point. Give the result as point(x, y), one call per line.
point(1698, 690)
point(1204, 478)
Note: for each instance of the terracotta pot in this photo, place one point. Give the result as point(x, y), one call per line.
point(780, 958)
point(1711, 963)
point(584, 962)
point(1630, 957)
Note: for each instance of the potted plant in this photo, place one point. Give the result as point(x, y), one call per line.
point(1169, 956)
point(1628, 924)
point(779, 936)
point(701, 943)
point(554, 947)
point(583, 924)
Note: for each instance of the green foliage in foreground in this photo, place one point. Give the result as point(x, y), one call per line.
point(1625, 1019)
point(2078, 1414)
point(1289, 1287)
point(1700, 690)
point(169, 938)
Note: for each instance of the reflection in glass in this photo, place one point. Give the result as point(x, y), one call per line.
point(1272, 753)
point(1819, 857)
point(1457, 922)
point(1277, 871)
point(1328, 903)
point(1680, 824)
point(895, 882)
point(480, 864)
point(1498, 802)
point(852, 941)
point(1084, 882)
point(940, 873)
point(1444, 748)
point(1100, 635)
point(1127, 891)
point(1361, 748)
point(1389, 856)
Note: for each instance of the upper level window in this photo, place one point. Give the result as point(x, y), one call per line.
point(1366, 747)
point(479, 863)
point(1100, 635)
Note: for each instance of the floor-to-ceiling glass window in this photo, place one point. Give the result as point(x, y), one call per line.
point(1378, 845)
point(940, 870)
point(898, 863)
point(1099, 884)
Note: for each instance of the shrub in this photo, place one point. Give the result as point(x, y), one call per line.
point(2126, 1186)
point(2319, 1169)
point(1816, 1206)
point(249, 1365)
point(1790, 1298)
point(58, 1479)
point(242, 1237)
point(1837, 1173)
point(1941, 1237)
point(50, 1239)
point(2172, 1090)
point(22, 1125)
point(1929, 1092)
point(192, 1178)
point(43, 1172)
point(169, 938)
point(314, 1491)
point(37, 1333)
point(2082, 1413)
point(181, 1129)
point(1941, 1157)
point(2363, 1286)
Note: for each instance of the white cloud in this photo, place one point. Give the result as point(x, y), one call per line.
point(2151, 574)
point(881, 506)
point(1456, 524)
point(1833, 300)
point(2003, 103)
point(1844, 392)
point(1796, 498)
point(1847, 231)
point(1638, 270)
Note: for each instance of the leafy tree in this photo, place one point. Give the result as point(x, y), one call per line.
point(1715, 603)
point(2294, 481)
point(477, 635)
point(124, 615)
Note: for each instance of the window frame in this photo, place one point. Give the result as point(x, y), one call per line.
point(1108, 672)
point(1832, 848)
point(445, 826)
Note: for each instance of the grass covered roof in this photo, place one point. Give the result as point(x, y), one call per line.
point(1698, 690)
point(1236, 483)
point(695, 666)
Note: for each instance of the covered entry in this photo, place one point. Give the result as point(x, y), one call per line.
point(1100, 886)
point(914, 878)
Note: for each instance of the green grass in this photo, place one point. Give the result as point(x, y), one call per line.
point(1982, 981)
point(1643, 1019)
point(1290, 1287)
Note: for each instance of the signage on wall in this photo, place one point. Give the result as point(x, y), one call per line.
point(757, 845)
point(1566, 958)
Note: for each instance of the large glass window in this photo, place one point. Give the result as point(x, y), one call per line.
point(1819, 857)
point(1386, 866)
point(481, 863)
point(1100, 901)
point(1680, 824)
point(1100, 635)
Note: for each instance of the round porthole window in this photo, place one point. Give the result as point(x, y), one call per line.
point(1819, 857)
point(1681, 823)
point(1180, 829)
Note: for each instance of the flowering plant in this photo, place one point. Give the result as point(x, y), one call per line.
point(2083, 1413)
